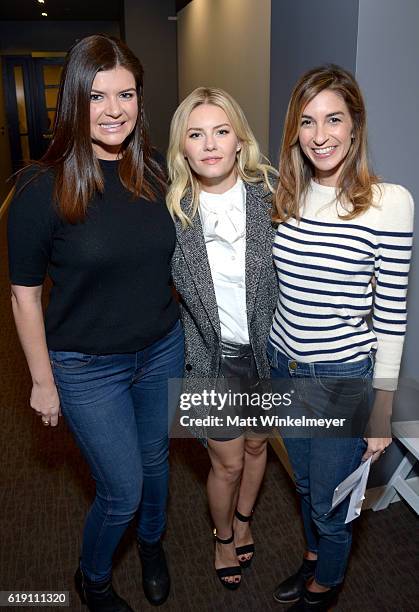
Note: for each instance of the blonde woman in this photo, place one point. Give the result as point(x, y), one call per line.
point(220, 198)
point(340, 230)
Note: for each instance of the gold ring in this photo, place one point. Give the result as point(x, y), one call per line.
point(45, 422)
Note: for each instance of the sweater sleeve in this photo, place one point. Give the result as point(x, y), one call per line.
point(392, 263)
point(30, 223)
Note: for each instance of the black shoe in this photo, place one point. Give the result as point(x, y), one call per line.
point(156, 578)
point(316, 602)
point(227, 572)
point(292, 589)
point(99, 596)
point(247, 548)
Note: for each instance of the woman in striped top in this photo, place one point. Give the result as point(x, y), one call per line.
point(342, 252)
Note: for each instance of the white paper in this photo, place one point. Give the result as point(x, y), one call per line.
point(355, 485)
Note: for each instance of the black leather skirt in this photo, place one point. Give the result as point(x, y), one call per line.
point(237, 409)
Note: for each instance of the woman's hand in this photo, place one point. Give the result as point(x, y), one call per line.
point(27, 311)
point(376, 447)
point(378, 433)
point(46, 403)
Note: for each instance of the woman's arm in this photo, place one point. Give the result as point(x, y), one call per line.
point(27, 311)
point(390, 309)
point(379, 426)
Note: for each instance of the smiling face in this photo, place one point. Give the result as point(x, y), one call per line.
point(113, 111)
point(210, 148)
point(325, 135)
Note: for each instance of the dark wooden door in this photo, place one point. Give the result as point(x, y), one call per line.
point(31, 88)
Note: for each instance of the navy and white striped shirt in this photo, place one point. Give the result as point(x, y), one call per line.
point(325, 268)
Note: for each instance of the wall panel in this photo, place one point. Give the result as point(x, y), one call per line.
point(226, 43)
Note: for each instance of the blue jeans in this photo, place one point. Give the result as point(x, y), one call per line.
point(321, 462)
point(119, 410)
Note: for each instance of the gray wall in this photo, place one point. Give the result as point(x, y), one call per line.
point(305, 34)
point(226, 43)
point(28, 36)
point(152, 37)
point(387, 70)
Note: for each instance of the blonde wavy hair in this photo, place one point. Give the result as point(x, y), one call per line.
point(356, 180)
point(251, 165)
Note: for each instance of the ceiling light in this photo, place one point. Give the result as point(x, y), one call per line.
point(41, 1)
point(44, 14)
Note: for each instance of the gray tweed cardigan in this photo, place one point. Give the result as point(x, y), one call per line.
point(192, 278)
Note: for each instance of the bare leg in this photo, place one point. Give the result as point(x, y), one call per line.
point(254, 469)
point(222, 488)
point(314, 587)
point(311, 556)
point(312, 584)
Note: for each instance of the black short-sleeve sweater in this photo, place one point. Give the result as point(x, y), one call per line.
point(111, 287)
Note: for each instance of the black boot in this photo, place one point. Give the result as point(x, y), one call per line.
point(292, 589)
point(99, 596)
point(316, 602)
point(156, 578)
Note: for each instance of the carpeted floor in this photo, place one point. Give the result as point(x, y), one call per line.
point(46, 490)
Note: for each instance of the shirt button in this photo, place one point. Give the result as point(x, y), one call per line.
point(293, 365)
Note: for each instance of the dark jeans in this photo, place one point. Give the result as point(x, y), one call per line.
point(119, 411)
point(321, 462)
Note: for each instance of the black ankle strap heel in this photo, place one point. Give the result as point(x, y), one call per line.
point(242, 517)
point(227, 572)
point(247, 549)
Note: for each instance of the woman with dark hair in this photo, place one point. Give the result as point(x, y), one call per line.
point(91, 213)
point(342, 252)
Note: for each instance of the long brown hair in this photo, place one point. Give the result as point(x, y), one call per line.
point(356, 180)
point(78, 175)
